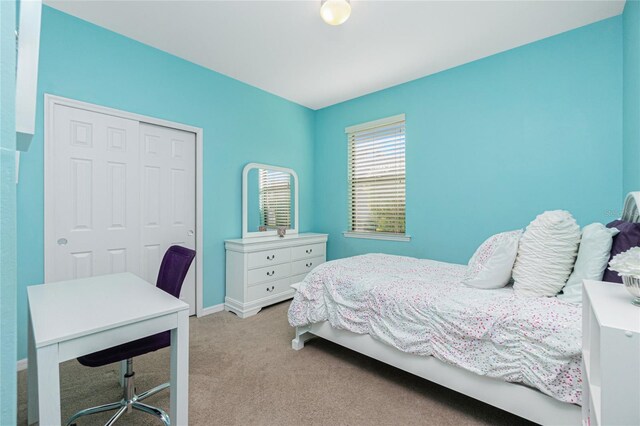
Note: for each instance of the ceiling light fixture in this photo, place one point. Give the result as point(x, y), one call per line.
point(335, 12)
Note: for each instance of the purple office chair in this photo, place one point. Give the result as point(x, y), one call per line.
point(173, 270)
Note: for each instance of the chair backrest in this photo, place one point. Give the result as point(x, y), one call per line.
point(174, 268)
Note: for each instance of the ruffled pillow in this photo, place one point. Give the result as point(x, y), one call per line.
point(491, 264)
point(546, 254)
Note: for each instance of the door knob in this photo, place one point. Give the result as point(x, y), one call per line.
point(62, 241)
point(190, 232)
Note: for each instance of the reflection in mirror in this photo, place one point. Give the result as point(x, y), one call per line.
point(270, 200)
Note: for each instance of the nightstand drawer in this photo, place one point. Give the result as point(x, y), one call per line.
point(268, 257)
point(267, 289)
point(305, 265)
point(303, 252)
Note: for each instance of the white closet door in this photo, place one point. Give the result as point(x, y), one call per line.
point(92, 203)
point(168, 199)
point(118, 194)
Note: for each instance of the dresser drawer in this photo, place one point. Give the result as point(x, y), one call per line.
point(267, 289)
point(268, 257)
point(303, 266)
point(269, 273)
point(297, 278)
point(310, 250)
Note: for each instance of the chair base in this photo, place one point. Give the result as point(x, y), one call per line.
point(129, 402)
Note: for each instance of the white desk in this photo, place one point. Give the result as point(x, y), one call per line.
point(69, 319)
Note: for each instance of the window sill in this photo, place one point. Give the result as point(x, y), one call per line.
point(377, 236)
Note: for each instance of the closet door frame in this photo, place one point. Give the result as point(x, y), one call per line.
point(50, 101)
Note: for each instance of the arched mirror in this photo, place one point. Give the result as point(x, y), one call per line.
point(269, 200)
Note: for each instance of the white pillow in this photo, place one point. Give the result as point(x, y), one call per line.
point(491, 264)
point(546, 254)
point(593, 255)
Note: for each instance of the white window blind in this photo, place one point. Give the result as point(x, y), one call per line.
point(377, 177)
point(275, 198)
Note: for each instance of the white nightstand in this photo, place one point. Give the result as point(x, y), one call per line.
point(610, 355)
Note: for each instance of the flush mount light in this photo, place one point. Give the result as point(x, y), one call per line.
point(335, 12)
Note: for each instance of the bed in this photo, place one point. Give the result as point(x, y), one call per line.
point(522, 355)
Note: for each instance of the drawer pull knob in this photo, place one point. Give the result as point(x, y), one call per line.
point(271, 273)
point(309, 265)
point(271, 289)
point(273, 256)
point(308, 251)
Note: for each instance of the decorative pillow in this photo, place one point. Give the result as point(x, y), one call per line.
point(491, 264)
point(593, 257)
point(546, 254)
point(628, 237)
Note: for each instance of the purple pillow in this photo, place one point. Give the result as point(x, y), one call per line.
point(628, 237)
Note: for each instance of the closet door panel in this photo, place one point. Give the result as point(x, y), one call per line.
point(118, 193)
point(91, 197)
point(168, 198)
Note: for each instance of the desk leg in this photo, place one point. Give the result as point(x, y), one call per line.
point(180, 371)
point(32, 378)
point(48, 385)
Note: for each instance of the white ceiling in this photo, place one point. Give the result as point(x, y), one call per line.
point(284, 47)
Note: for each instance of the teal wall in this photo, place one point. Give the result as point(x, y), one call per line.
point(490, 145)
point(241, 124)
point(631, 98)
point(8, 391)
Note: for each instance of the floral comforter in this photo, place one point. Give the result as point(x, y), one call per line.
point(421, 307)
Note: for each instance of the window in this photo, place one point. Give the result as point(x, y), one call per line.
point(377, 179)
point(275, 198)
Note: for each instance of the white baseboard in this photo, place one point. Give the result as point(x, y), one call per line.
point(211, 310)
point(22, 364)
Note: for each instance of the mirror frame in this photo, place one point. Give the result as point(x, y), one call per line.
point(245, 177)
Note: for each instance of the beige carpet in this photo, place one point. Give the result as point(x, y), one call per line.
point(244, 372)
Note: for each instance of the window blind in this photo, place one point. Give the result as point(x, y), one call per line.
point(275, 198)
point(377, 176)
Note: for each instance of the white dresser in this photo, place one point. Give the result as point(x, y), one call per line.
point(610, 355)
point(260, 271)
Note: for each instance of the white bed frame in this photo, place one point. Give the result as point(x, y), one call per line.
point(515, 398)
